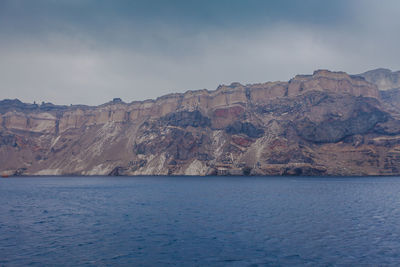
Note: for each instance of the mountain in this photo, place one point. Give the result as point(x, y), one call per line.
point(383, 78)
point(327, 123)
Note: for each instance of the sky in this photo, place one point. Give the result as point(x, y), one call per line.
point(91, 51)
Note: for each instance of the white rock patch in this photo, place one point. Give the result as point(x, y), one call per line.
point(196, 168)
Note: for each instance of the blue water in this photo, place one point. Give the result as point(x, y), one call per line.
point(197, 221)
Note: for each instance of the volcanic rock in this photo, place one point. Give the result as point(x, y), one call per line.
point(327, 123)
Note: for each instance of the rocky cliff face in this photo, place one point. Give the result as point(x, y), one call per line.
point(385, 79)
point(328, 123)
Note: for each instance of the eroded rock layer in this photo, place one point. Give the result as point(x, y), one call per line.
point(328, 123)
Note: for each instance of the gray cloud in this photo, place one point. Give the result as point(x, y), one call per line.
point(89, 52)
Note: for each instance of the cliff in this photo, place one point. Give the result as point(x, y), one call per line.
point(385, 79)
point(328, 123)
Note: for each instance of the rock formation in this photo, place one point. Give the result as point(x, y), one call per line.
point(328, 123)
point(385, 79)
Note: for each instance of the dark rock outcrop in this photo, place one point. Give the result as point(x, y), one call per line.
point(186, 118)
point(8, 140)
point(333, 130)
point(246, 128)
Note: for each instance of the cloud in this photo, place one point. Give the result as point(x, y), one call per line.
point(83, 57)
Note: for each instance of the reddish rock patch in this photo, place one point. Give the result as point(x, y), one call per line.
point(242, 141)
point(228, 112)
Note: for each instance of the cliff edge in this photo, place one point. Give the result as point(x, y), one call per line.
point(327, 123)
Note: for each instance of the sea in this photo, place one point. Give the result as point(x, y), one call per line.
point(200, 221)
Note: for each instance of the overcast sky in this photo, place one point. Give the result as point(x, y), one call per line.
point(88, 52)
